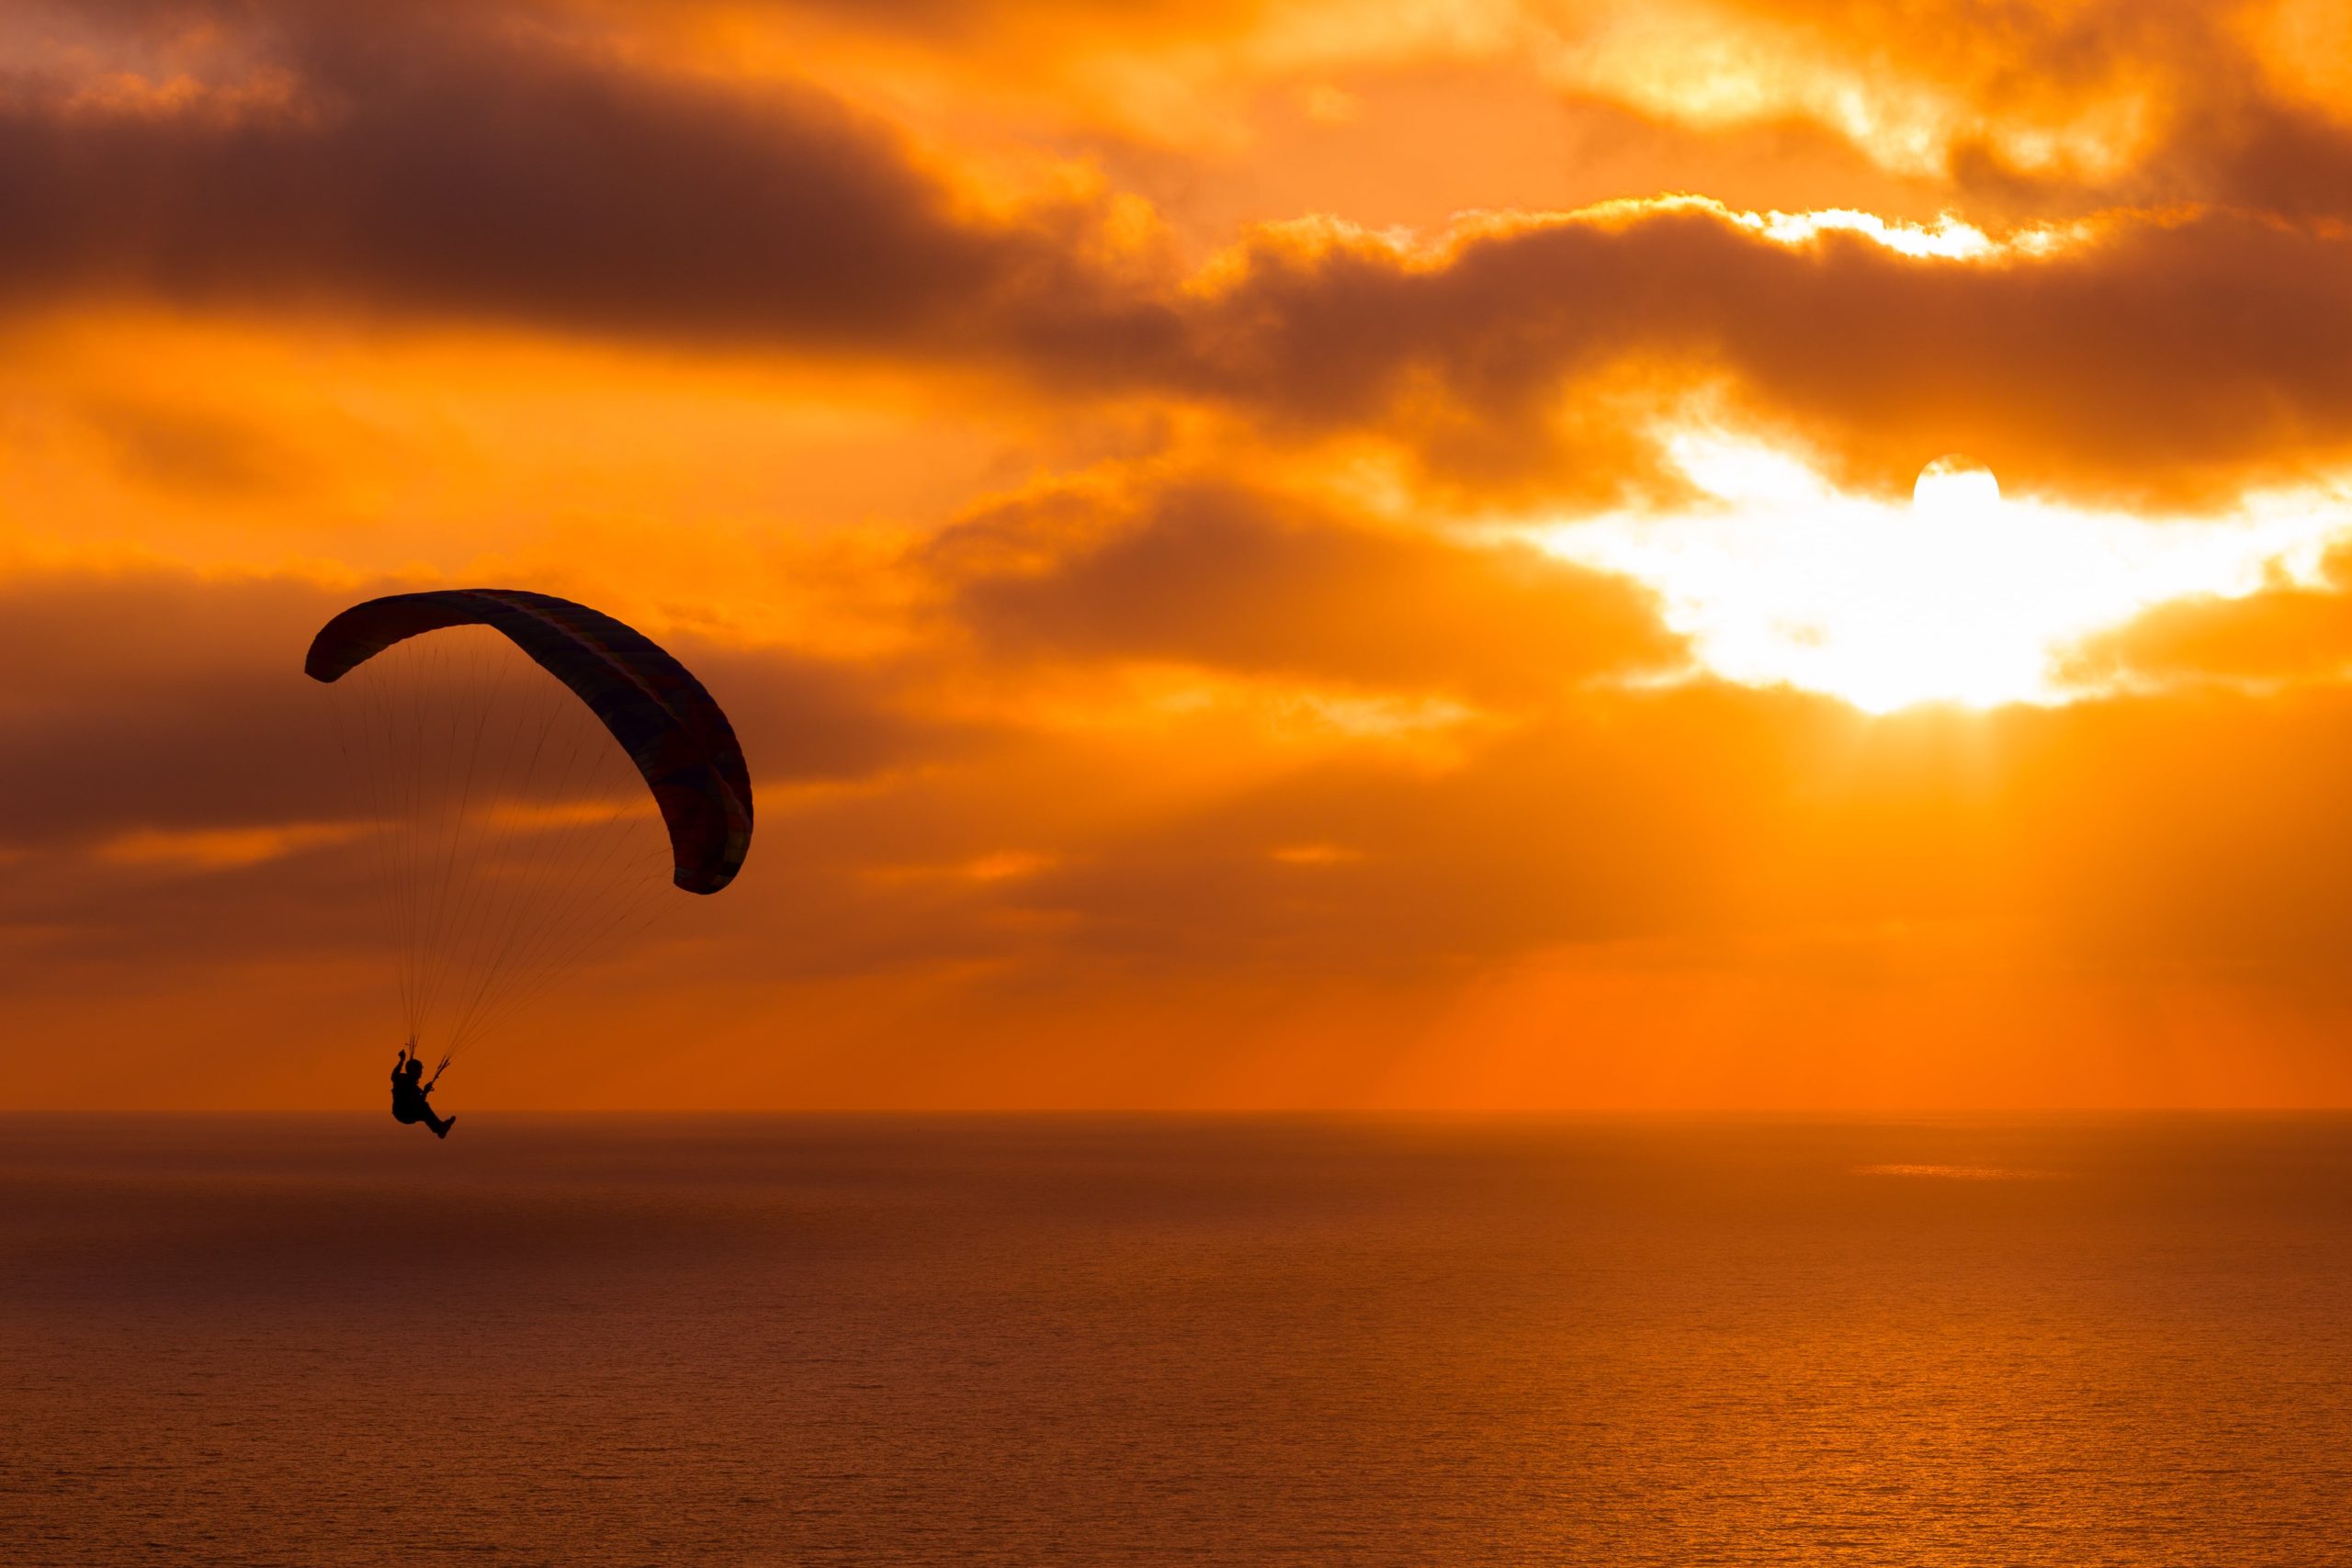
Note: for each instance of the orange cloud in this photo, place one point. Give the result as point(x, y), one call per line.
point(220, 849)
point(2287, 632)
point(2180, 352)
point(1075, 440)
point(1693, 894)
point(1226, 577)
point(2158, 355)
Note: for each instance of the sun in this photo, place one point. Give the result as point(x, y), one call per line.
point(1779, 577)
point(1953, 487)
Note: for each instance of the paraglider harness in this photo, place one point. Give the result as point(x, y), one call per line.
point(408, 1098)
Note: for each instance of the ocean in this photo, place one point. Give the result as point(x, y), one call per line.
point(1077, 1340)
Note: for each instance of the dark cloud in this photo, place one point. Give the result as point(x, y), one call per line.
point(2284, 159)
point(2160, 358)
point(173, 787)
point(164, 701)
point(455, 166)
point(2232, 146)
point(1250, 582)
point(437, 161)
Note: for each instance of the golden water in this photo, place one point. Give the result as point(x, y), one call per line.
point(1099, 1340)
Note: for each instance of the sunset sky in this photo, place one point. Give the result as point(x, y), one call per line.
point(1341, 555)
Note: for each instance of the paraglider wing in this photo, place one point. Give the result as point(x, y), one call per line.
point(652, 705)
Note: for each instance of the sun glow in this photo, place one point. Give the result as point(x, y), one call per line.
point(1961, 597)
point(1955, 489)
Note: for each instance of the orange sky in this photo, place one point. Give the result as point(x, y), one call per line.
point(1323, 554)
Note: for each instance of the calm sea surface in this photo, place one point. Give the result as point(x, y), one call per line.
point(327, 1341)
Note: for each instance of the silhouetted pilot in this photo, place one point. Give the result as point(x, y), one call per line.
point(409, 1089)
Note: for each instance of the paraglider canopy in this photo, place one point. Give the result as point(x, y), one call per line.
point(675, 735)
